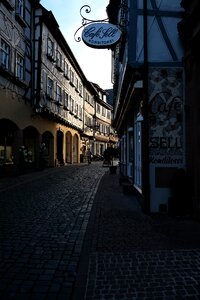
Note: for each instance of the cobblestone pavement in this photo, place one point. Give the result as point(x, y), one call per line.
point(128, 255)
point(43, 219)
point(70, 233)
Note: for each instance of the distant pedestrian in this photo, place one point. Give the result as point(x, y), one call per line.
point(89, 156)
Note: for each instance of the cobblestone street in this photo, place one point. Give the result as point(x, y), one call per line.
point(70, 233)
point(135, 256)
point(43, 219)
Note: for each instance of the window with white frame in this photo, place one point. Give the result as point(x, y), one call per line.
point(5, 55)
point(76, 109)
point(58, 93)
point(81, 89)
point(80, 114)
point(103, 111)
point(98, 109)
point(108, 114)
point(50, 87)
point(20, 67)
point(20, 7)
point(50, 48)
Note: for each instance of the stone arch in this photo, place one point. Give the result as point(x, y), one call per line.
point(48, 140)
point(31, 140)
point(59, 144)
point(68, 147)
point(75, 148)
point(8, 137)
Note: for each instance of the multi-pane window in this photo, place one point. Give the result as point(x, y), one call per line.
point(76, 83)
point(58, 94)
point(72, 76)
point(98, 109)
point(103, 111)
point(69, 102)
point(66, 100)
point(80, 112)
point(20, 7)
point(92, 101)
point(66, 69)
point(76, 109)
point(81, 89)
point(72, 105)
point(58, 59)
point(50, 87)
point(50, 48)
point(108, 114)
point(5, 54)
point(20, 67)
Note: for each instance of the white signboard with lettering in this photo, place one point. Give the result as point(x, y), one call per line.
point(101, 35)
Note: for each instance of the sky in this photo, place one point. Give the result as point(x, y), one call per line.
point(95, 63)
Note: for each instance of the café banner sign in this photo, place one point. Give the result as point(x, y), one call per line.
point(101, 35)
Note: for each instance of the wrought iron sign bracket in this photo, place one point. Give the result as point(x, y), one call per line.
point(100, 33)
point(86, 21)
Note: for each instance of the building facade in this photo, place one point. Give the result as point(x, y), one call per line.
point(104, 134)
point(46, 100)
point(148, 78)
point(189, 30)
point(15, 81)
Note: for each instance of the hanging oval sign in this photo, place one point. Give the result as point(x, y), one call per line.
point(101, 35)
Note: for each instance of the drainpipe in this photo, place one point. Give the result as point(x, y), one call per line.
point(145, 171)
